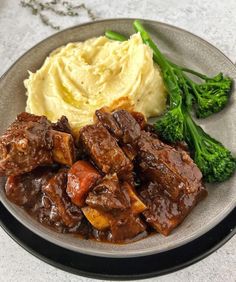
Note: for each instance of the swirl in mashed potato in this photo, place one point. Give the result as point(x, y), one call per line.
point(79, 78)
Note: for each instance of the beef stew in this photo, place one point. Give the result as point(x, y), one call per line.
point(118, 182)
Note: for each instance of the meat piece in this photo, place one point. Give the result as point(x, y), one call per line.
point(150, 128)
point(55, 190)
point(108, 196)
point(140, 118)
point(62, 125)
point(129, 126)
point(163, 213)
point(117, 207)
point(42, 193)
point(126, 226)
point(82, 176)
point(24, 189)
point(104, 150)
point(181, 146)
point(30, 142)
point(26, 144)
point(175, 183)
point(108, 121)
point(125, 127)
point(130, 151)
point(63, 150)
point(174, 170)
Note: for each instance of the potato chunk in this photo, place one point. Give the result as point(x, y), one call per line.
point(99, 220)
point(137, 206)
point(63, 148)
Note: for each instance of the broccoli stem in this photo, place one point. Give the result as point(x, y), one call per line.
point(192, 130)
point(169, 76)
point(202, 76)
point(157, 55)
point(115, 36)
point(214, 160)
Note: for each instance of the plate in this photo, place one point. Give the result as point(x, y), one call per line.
point(183, 48)
point(119, 268)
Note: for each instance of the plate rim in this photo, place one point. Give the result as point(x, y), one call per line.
point(104, 253)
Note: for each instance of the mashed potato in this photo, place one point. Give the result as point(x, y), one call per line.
point(79, 78)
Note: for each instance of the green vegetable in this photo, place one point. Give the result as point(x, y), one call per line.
point(115, 36)
point(213, 159)
point(211, 96)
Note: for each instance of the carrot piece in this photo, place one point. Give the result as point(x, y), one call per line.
point(82, 176)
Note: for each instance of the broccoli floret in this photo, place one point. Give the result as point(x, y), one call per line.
point(214, 160)
point(170, 126)
point(210, 96)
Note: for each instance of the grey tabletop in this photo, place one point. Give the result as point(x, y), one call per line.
point(20, 29)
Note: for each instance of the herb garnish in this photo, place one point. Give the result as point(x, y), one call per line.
point(57, 7)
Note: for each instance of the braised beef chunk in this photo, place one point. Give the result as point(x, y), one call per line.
point(140, 118)
point(27, 117)
point(42, 193)
point(24, 189)
point(30, 142)
point(163, 213)
point(108, 121)
point(104, 150)
point(174, 170)
point(126, 226)
point(150, 128)
point(26, 144)
point(124, 126)
point(130, 151)
point(60, 203)
point(129, 126)
point(82, 176)
point(181, 146)
point(108, 196)
point(62, 125)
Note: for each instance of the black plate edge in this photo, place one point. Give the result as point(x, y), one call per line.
point(190, 253)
